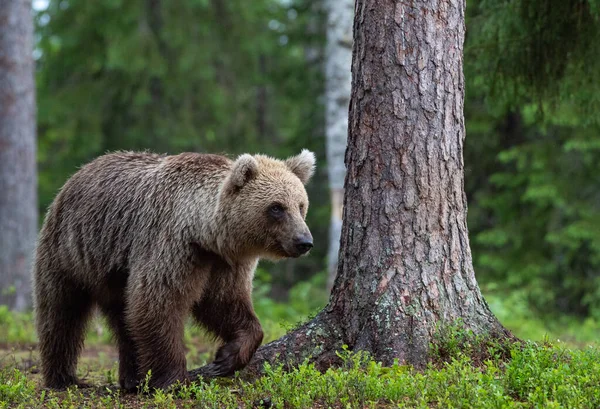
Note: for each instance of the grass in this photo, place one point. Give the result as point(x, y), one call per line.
point(464, 372)
point(529, 376)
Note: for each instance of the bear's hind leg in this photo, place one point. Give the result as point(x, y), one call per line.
point(128, 370)
point(62, 312)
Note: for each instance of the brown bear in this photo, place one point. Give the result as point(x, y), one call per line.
point(150, 238)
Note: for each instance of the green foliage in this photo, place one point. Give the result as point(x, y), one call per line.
point(535, 224)
point(532, 151)
point(542, 51)
point(528, 376)
point(14, 387)
point(166, 77)
point(452, 339)
point(305, 299)
point(537, 375)
point(513, 309)
point(16, 327)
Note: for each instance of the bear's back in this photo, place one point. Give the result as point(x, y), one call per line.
point(123, 204)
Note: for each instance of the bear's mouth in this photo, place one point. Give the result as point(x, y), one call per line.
point(279, 250)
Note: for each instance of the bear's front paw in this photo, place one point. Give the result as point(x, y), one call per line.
point(212, 370)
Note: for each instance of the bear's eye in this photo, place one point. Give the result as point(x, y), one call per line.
point(276, 209)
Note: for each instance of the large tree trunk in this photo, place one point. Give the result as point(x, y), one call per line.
point(337, 97)
point(18, 184)
point(405, 263)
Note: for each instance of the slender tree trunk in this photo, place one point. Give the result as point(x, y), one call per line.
point(262, 103)
point(405, 263)
point(18, 183)
point(337, 98)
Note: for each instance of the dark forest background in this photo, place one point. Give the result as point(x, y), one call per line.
point(248, 76)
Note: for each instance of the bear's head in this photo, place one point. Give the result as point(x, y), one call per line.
point(264, 204)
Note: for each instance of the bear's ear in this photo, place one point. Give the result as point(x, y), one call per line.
point(302, 165)
point(245, 168)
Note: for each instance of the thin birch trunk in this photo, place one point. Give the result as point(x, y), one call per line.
point(338, 78)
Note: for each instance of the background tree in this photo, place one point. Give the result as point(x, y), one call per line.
point(405, 263)
point(18, 182)
point(338, 80)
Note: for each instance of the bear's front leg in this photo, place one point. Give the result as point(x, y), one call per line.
point(155, 320)
point(233, 320)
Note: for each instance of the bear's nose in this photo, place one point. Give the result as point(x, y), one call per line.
point(304, 244)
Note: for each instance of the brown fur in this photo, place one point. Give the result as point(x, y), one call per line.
point(151, 238)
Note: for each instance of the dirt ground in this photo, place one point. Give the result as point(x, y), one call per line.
point(97, 364)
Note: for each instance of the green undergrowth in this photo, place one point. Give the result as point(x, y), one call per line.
point(515, 313)
point(526, 376)
point(464, 371)
point(16, 327)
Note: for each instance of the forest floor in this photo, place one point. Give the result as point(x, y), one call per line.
point(464, 372)
point(560, 368)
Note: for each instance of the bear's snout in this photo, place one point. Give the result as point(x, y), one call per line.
point(303, 244)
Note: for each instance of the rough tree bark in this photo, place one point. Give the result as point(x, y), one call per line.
point(405, 263)
point(18, 183)
point(337, 98)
